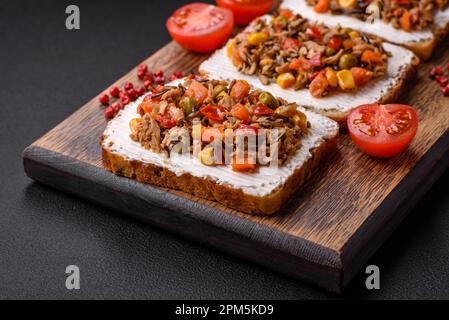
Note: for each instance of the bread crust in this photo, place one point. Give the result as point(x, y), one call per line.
point(424, 49)
point(207, 189)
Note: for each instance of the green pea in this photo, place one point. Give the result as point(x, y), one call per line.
point(347, 61)
point(329, 52)
point(281, 21)
point(267, 99)
point(188, 104)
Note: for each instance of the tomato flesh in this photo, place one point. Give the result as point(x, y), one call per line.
point(246, 10)
point(214, 113)
point(383, 131)
point(200, 27)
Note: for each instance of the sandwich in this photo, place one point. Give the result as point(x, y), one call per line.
point(414, 24)
point(219, 140)
point(329, 70)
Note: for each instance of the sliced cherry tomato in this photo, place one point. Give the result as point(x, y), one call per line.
point(200, 27)
point(240, 112)
point(246, 10)
point(240, 90)
point(197, 91)
point(165, 122)
point(383, 130)
point(215, 113)
point(262, 110)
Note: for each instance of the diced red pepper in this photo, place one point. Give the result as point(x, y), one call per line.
point(314, 32)
point(240, 112)
point(335, 43)
point(197, 91)
point(318, 86)
point(240, 90)
point(215, 113)
point(262, 110)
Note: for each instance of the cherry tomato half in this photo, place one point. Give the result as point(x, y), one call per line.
point(200, 27)
point(246, 10)
point(383, 131)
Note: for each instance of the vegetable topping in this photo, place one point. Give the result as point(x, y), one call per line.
point(208, 110)
point(297, 54)
point(407, 15)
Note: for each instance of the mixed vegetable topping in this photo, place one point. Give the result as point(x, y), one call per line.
point(206, 110)
point(299, 54)
point(402, 14)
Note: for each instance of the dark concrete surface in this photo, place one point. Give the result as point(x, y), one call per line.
point(46, 73)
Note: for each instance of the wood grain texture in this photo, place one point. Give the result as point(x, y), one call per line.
point(334, 224)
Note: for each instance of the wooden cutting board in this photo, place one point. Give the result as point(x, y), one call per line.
point(325, 234)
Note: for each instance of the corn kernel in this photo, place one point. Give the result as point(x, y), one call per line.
point(354, 34)
point(346, 80)
point(257, 38)
point(133, 123)
point(347, 4)
point(285, 80)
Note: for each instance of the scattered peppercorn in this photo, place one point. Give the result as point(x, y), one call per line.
point(437, 73)
point(140, 91)
point(114, 91)
point(445, 91)
point(104, 99)
point(130, 92)
point(443, 81)
point(159, 74)
point(128, 86)
point(109, 112)
point(176, 75)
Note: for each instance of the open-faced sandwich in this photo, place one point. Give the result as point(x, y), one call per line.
point(219, 140)
point(327, 69)
point(415, 24)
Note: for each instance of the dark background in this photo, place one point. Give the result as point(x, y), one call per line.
point(46, 73)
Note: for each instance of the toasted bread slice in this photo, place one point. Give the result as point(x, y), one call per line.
point(421, 43)
point(261, 192)
point(338, 105)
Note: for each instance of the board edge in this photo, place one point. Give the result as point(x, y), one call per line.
point(394, 208)
point(53, 169)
